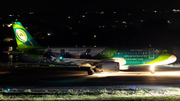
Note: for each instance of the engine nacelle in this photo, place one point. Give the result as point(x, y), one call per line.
point(109, 66)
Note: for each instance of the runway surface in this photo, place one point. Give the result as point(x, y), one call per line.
point(58, 78)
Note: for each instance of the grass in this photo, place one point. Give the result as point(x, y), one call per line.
point(103, 94)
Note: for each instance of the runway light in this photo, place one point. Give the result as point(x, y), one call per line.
point(48, 34)
point(133, 88)
point(8, 90)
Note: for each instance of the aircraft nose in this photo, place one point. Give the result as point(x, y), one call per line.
point(172, 58)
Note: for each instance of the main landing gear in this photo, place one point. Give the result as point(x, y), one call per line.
point(90, 72)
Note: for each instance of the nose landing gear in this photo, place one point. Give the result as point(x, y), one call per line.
point(152, 69)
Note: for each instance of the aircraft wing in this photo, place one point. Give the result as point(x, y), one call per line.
point(81, 62)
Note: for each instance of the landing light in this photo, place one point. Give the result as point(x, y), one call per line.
point(152, 67)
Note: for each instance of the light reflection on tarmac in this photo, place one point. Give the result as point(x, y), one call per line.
point(106, 74)
point(56, 78)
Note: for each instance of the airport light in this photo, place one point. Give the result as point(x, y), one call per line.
point(11, 15)
point(169, 21)
point(8, 90)
point(124, 22)
point(102, 12)
point(31, 12)
point(48, 34)
point(174, 10)
point(94, 36)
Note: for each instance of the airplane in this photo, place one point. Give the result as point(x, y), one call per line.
point(94, 57)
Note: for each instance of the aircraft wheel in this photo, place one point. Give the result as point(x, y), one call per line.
point(152, 72)
point(97, 70)
point(90, 72)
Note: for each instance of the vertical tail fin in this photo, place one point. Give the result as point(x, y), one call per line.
point(23, 38)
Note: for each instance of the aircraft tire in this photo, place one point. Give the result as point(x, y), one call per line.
point(90, 72)
point(152, 72)
point(97, 70)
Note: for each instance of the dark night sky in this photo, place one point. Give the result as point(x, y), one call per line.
point(68, 5)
